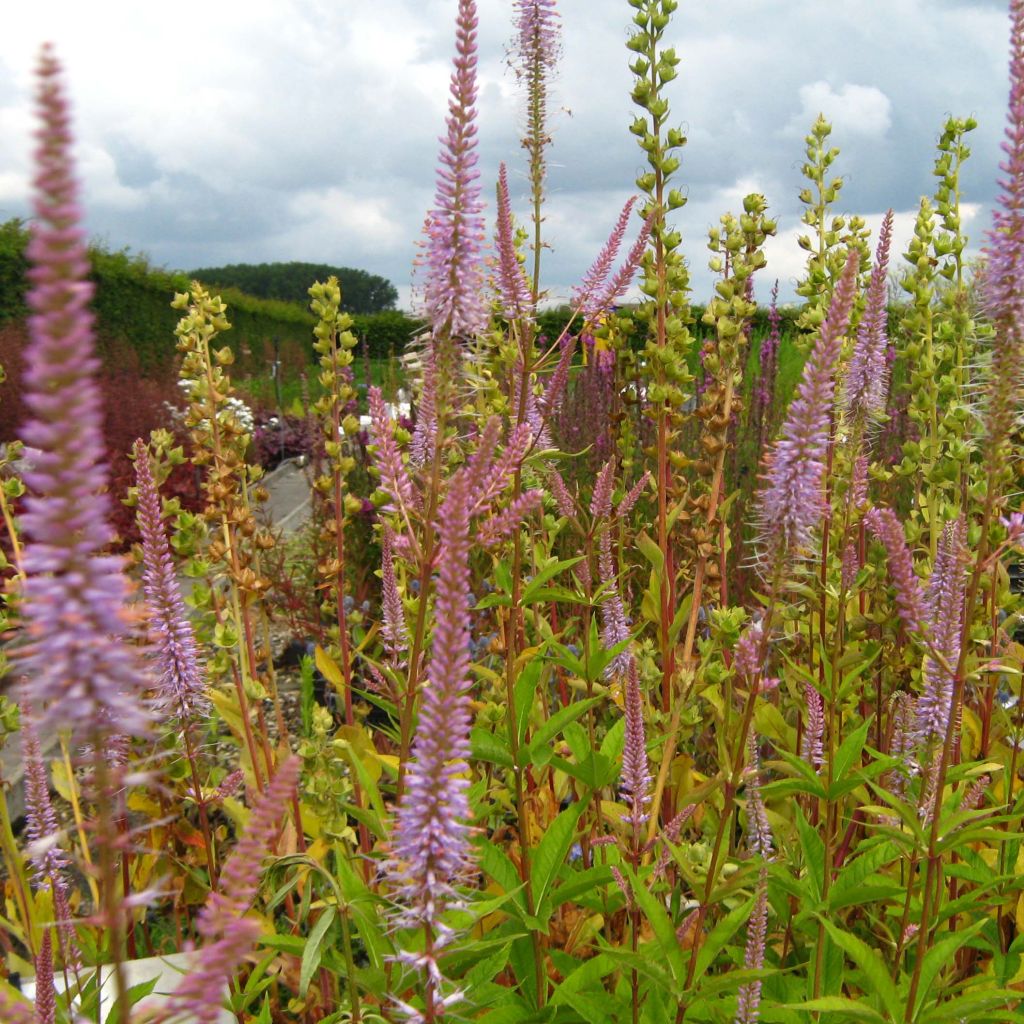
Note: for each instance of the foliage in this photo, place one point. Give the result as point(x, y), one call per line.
point(624, 684)
point(289, 282)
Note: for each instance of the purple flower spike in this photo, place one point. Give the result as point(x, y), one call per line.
point(759, 831)
point(790, 502)
point(181, 692)
point(454, 293)
point(768, 356)
point(812, 745)
point(636, 776)
point(79, 667)
point(432, 848)
point(515, 292)
point(584, 298)
point(228, 934)
point(46, 995)
point(867, 377)
point(394, 629)
point(1004, 248)
point(538, 44)
point(910, 600)
point(748, 1001)
point(946, 605)
point(394, 477)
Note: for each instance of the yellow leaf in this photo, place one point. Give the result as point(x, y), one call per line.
point(328, 668)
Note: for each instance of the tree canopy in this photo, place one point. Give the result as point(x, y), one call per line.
point(361, 292)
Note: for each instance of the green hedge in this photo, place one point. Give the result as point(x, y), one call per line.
point(133, 299)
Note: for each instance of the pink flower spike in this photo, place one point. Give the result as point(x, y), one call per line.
point(394, 477)
point(636, 776)
point(453, 293)
point(867, 376)
point(791, 499)
point(584, 297)
point(181, 691)
point(910, 600)
point(515, 292)
point(80, 669)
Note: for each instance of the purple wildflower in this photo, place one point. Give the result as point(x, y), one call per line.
point(552, 397)
point(868, 374)
point(563, 499)
point(635, 780)
point(180, 689)
point(227, 932)
point(584, 297)
point(748, 1001)
point(80, 668)
point(768, 356)
point(945, 605)
point(46, 995)
point(910, 599)
point(812, 743)
point(425, 434)
point(975, 794)
point(747, 654)
point(759, 831)
point(790, 502)
point(515, 292)
point(394, 477)
point(632, 496)
point(538, 44)
point(432, 833)
point(601, 498)
point(453, 291)
point(497, 527)
point(850, 566)
point(616, 286)
point(393, 630)
point(1004, 249)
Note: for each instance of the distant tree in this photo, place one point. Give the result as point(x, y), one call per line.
point(361, 292)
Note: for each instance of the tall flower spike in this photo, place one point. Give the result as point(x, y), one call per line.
point(393, 630)
point(584, 298)
point(424, 435)
point(812, 742)
point(636, 776)
point(453, 291)
point(867, 376)
point(46, 995)
point(80, 669)
point(759, 831)
point(515, 292)
point(620, 281)
point(1004, 248)
point(394, 477)
point(748, 1001)
point(946, 603)
point(228, 934)
point(431, 846)
point(180, 689)
point(910, 599)
point(790, 501)
point(768, 359)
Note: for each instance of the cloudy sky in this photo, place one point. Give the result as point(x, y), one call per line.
point(219, 131)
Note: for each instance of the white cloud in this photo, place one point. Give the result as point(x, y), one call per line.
point(857, 109)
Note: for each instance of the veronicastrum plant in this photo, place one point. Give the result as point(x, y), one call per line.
point(674, 696)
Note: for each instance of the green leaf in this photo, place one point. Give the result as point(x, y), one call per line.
point(542, 576)
point(560, 719)
point(720, 935)
point(488, 746)
point(314, 949)
point(837, 1004)
point(939, 955)
point(551, 852)
point(661, 925)
point(873, 967)
point(850, 749)
point(121, 1010)
point(614, 741)
point(814, 854)
point(525, 690)
point(498, 866)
